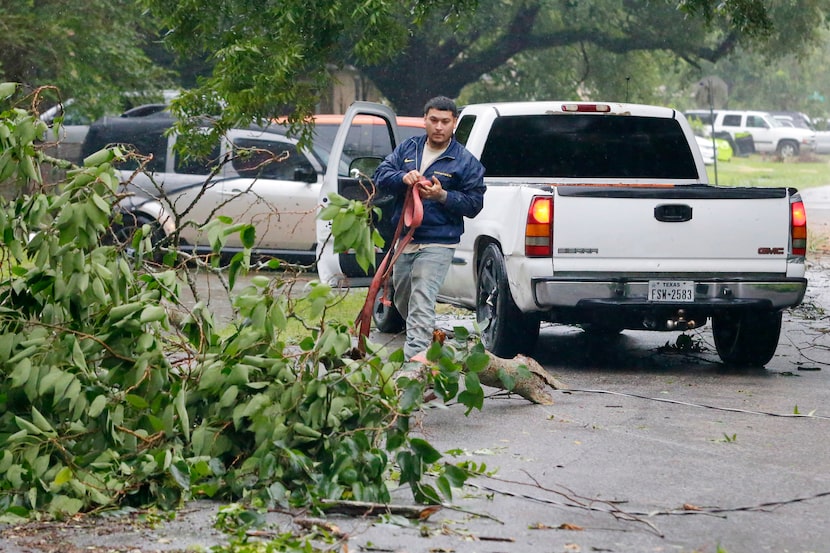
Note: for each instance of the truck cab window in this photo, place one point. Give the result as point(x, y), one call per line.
point(588, 146)
point(269, 159)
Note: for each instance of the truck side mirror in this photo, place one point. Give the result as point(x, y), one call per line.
point(364, 166)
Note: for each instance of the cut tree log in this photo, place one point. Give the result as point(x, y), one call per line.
point(531, 385)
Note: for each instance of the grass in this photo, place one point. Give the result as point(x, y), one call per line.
point(806, 171)
point(344, 311)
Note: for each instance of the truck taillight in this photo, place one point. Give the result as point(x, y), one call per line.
point(798, 227)
point(539, 228)
point(586, 108)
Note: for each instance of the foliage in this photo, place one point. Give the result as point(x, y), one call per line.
point(351, 227)
point(577, 41)
point(88, 49)
point(645, 77)
point(791, 83)
point(105, 401)
point(236, 520)
point(269, 59)
point(272, 58)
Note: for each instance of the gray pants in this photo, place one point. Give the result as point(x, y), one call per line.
point(417, 277)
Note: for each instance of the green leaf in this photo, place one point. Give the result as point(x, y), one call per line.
point(78, 356)
point(152, 313)
point(181, 411)
point(444, 486)
point(411, 395)
point(21, 373)
point(506, 379)
point(456, 476)
point(328, 212)
point(63, 476)
point(27, 426)
point(180, 475)
point(229, 396)
point(99, 158)
point(7, 90)
point(63, 506)
point(97, 406)
point(478, 360)
point(6, 459)
point(135, 401)
point(424, 450)
point(248, 236)
point(40, 421)
point(473, 395)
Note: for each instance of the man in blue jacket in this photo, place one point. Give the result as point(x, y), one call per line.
point(455, 190)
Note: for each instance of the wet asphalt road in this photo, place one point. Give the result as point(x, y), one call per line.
point(651, 450)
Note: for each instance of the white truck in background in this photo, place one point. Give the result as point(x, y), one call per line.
point(769, 135)
point(600, 215)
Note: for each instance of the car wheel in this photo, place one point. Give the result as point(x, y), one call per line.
point(787, 148)
point(746, 339)
point(387, 318)
point(506, 331)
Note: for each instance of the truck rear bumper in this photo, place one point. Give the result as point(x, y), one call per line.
point(551, 292)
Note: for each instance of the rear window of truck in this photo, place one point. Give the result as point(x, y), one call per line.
point(588, 146)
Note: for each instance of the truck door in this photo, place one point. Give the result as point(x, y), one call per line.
point(355, 184)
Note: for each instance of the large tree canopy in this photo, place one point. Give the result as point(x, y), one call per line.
point(442, 59)
point(272, 55)
point(272, 58)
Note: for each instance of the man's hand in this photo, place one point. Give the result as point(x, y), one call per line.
point(412, 178)
point(432, 190)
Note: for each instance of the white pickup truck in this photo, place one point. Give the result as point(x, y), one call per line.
point(600, 215)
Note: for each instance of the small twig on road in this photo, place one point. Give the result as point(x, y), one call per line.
point(571, 500)
point(722, 511)
point(700, 405)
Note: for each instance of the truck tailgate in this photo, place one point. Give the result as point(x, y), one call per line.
point(670, 230)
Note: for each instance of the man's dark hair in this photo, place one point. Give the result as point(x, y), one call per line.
point(441, 103)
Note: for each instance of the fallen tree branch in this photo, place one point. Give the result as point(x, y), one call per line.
point(364, 508)
point(531, 380)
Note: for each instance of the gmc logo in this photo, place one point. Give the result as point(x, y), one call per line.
point(770, 251)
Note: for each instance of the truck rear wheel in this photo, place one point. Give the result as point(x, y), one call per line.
point(746, 339)
point(506, 331)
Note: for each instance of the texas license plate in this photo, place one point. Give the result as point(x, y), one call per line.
point(671, 290)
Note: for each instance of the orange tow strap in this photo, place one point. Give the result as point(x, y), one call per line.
point(411, 218)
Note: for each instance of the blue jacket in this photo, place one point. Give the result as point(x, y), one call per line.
point(461, 175)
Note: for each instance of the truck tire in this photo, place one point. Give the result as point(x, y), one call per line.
point(506, 331)
point(746, 338)
point(787, 148)
point(387, 318)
